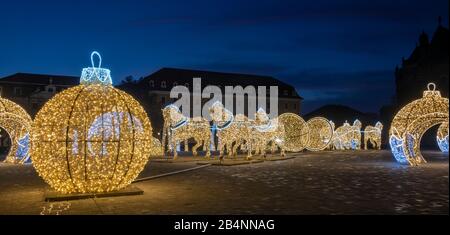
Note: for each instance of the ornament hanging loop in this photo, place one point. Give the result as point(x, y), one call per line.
point(431, 86)
point(95, 53)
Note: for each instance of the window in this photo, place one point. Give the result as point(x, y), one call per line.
point(286, 92)
point(18, 91)
point(163, 84)
point(51, 89)
point(295, 106)
point(152, 83)
point(186, 85)
point(286, 106)
point(163, 100)
point(175, 84)
point(1, 91)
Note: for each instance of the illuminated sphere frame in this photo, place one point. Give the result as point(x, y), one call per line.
point(321, 133)
point(17, 123)
point(296, 132)
point(413, 121)
point(91, 138)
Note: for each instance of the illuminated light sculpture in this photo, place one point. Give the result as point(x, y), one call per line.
point(91, 138)
point(296, 132)
point(348, 137)
point(17, 123)
point(267, 131)
point(178, 128)
point(442, 137)
point(331, 145)
point(232, 132)
point(157, 149)
point(321, 133)
point(412, 121)
point(372, 134)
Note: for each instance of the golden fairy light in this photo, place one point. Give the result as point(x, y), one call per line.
point(348, 137)
point(179, 128)
point(320, 134)
point(17, 123)
point(412, 121)
point(267, 131)
point(372, 134)
point(296, 132)
point(91, 138)
point(442, 137)
point(232, 132)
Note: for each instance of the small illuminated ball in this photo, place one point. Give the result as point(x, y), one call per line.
point(91, 138)
point(320, 134)
point(296, 132)
point(412, 121)
point(17, 123)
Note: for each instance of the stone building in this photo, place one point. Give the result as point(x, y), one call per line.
point(429, 62)
point(154, 90)
point(32, 91)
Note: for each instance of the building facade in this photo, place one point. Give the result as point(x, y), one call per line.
point(32, 91)
point(154, 90)
point(429, 62)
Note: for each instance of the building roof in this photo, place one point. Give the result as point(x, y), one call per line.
point(40, 79)
point(185, 76)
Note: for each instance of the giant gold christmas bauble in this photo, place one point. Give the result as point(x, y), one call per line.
point(412, 121)
point(91, 138)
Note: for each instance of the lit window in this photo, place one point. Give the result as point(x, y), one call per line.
point(163, 84)
point(152, 83)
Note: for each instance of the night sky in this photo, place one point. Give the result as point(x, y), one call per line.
point(333, 52)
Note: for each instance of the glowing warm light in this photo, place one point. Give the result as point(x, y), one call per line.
point(17, 123)
point(413, 121)
point(442, 137)
point(178, 128)
point(91, 138)
point(348, 137)
point(372, 134)
point(232, 132)
point(296, 132)
point(267, 131)
point(321, 133)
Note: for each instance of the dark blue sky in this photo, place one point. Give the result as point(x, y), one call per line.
point(340, 52)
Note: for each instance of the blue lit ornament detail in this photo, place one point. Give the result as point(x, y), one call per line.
point(96, 75)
